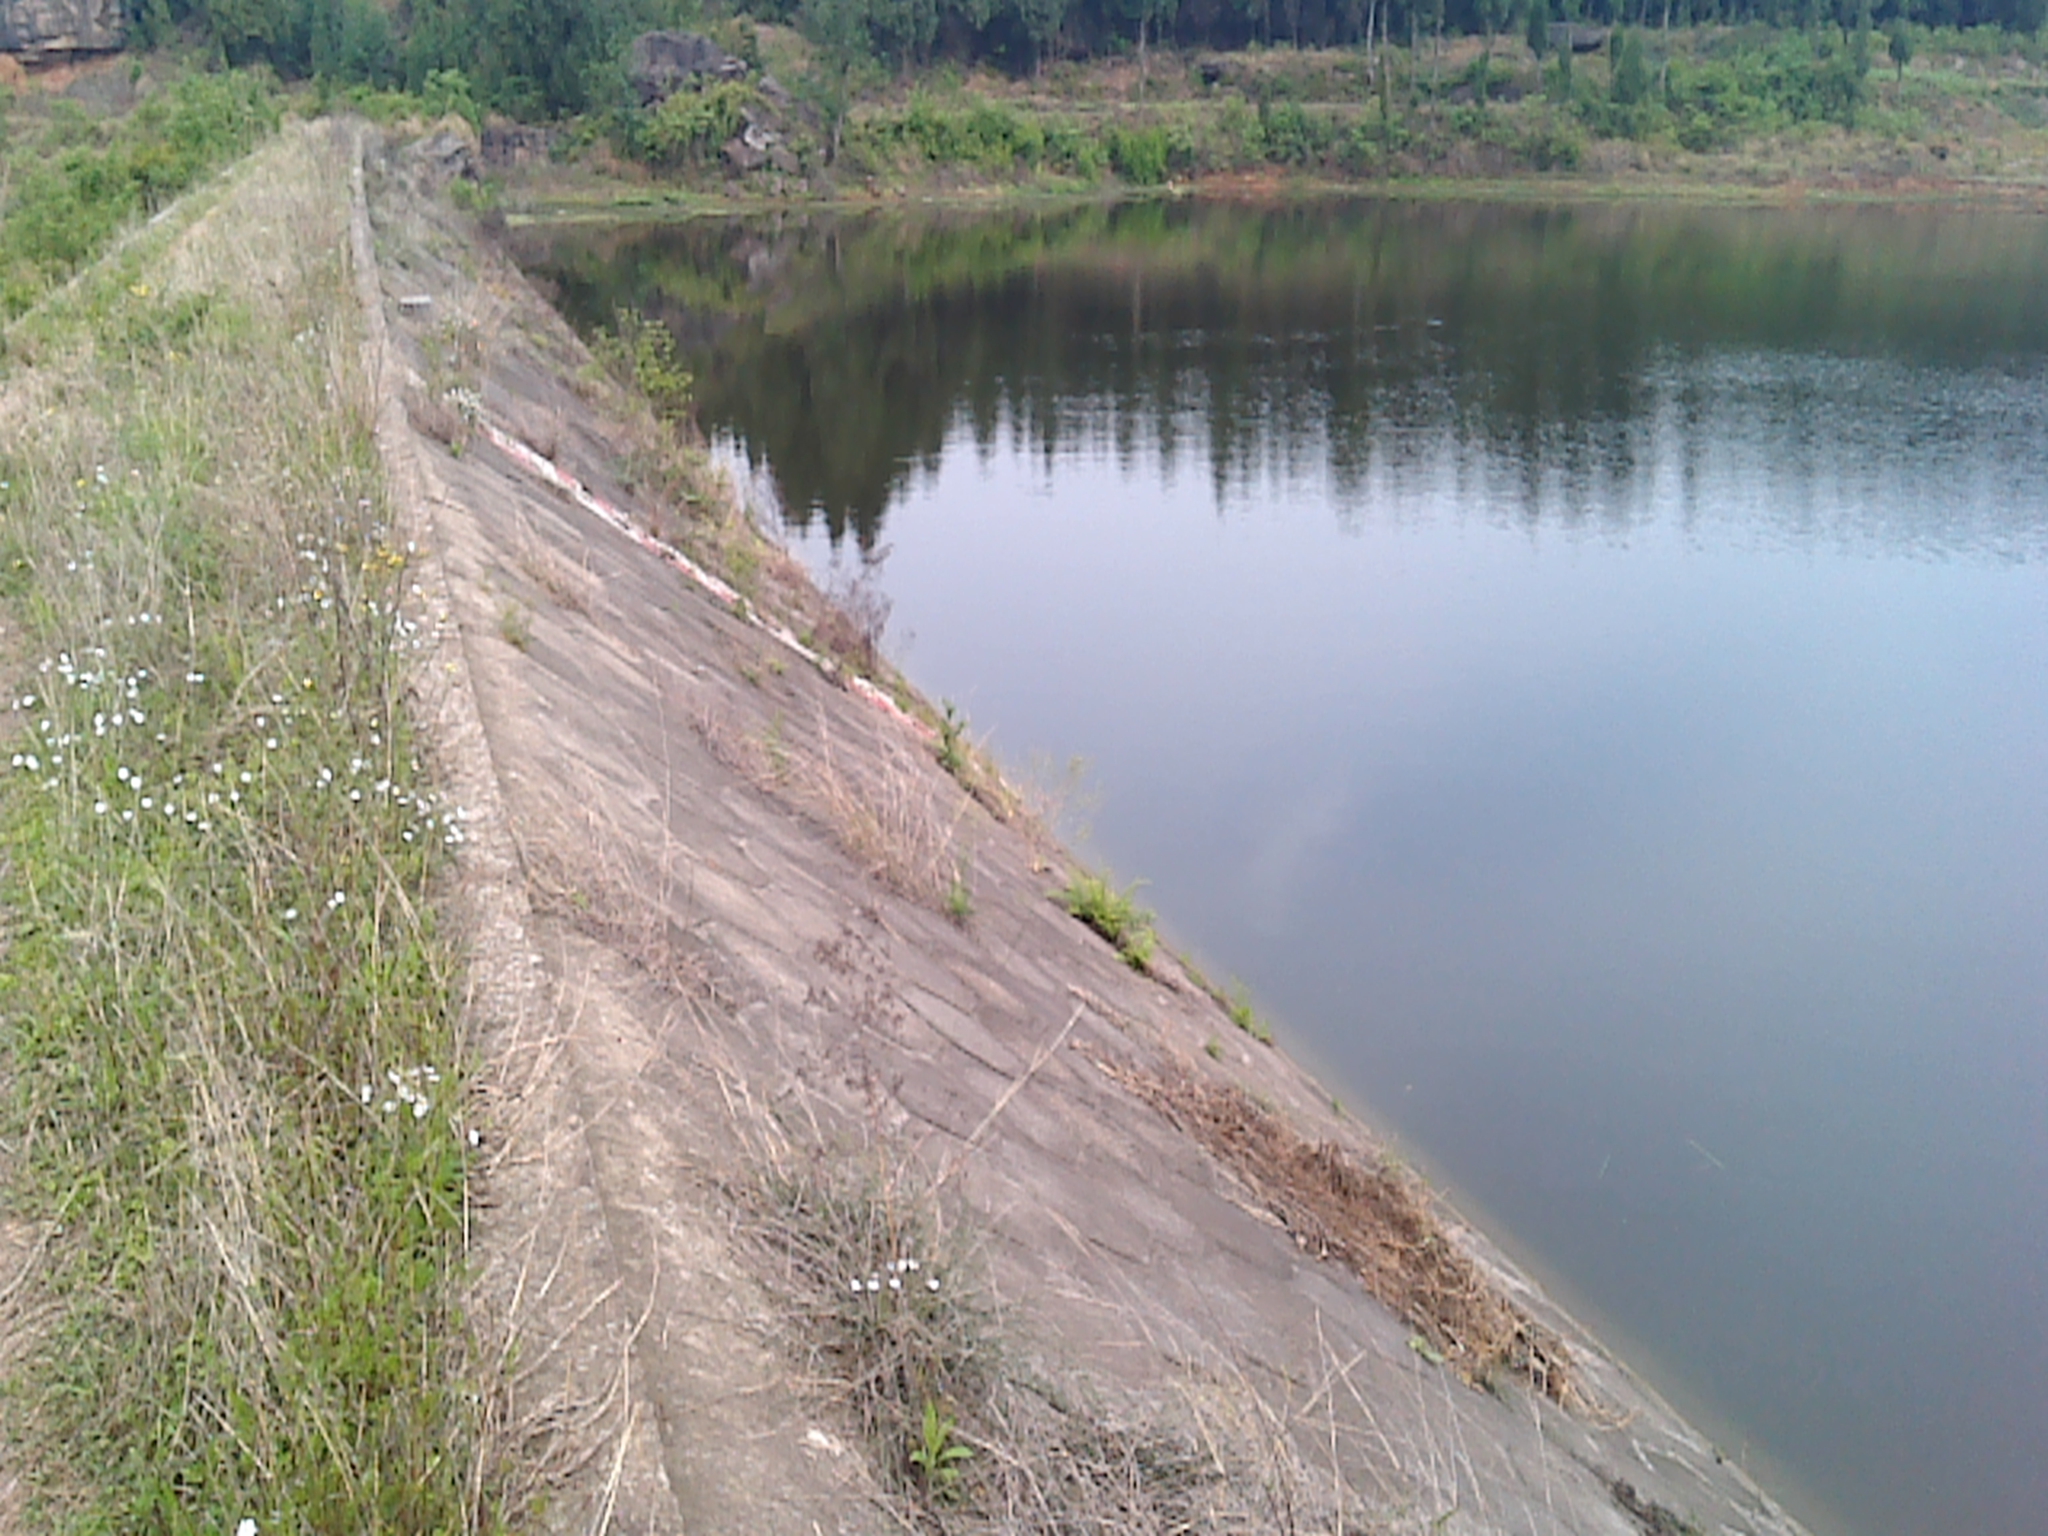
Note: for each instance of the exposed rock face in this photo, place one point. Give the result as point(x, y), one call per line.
point(759, 144)
point(661, 63)
point(37, 29)
point(1579, 39)
point(447, 154)
point(511, 145)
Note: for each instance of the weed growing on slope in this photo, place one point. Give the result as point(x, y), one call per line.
point(885, 1318)
point(1246, 1018)
point(952, 740)
point(890, 1324)
point(640, 353)
point(959, 898)
point(1113, 914)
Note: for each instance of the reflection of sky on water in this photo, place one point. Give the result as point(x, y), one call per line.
point(1669, 867)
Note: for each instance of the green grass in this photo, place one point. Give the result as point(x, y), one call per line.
point(1113, 914)
point(959, 898)
point(952, 748)
point(1236, 1002)
point(228, 1021)
point(77, 181)
point(1246, 1018)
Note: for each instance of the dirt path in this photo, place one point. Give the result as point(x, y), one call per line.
point(707, 885)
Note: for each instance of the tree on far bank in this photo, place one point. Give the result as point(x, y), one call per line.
point(838, 30)
point(1899, 43)
point(1491, 14)
point(1042, 21)
point(1631, 79)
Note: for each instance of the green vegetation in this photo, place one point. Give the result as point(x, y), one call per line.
point(1113, 914)
point(1390, 112)
point(959, 898)
point(889, 91)
point(937, 1455)
point(551, 57)
point(1899, 45)
point(515, 626)
point(641, 355)
point(71, 182)
point(233, 1083)
point(1236, 1002)
point(1242, 1014)
point(529, 58)
point(952, 749)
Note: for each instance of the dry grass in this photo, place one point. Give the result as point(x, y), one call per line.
point(597, 903)
point(837, 1236)
point(436, 416)
point(889, 809)
point(886, 810)
point(569, 587)
point(1376, 1220)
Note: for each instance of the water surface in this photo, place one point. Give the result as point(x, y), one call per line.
point(1586, 670)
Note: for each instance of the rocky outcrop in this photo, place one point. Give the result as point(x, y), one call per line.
point(1579, 39)
point(449, 153)
point(40, 29)
point(757, 145)
point(512, 146)
point(662, 63)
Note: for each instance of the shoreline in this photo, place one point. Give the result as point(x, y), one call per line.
point(527, 207)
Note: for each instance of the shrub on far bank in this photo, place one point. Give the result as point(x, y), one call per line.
point(81, 181)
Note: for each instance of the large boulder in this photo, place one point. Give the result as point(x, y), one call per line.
point(662, 63)
point(39, 29)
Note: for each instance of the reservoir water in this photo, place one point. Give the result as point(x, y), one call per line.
point(1584, 669)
